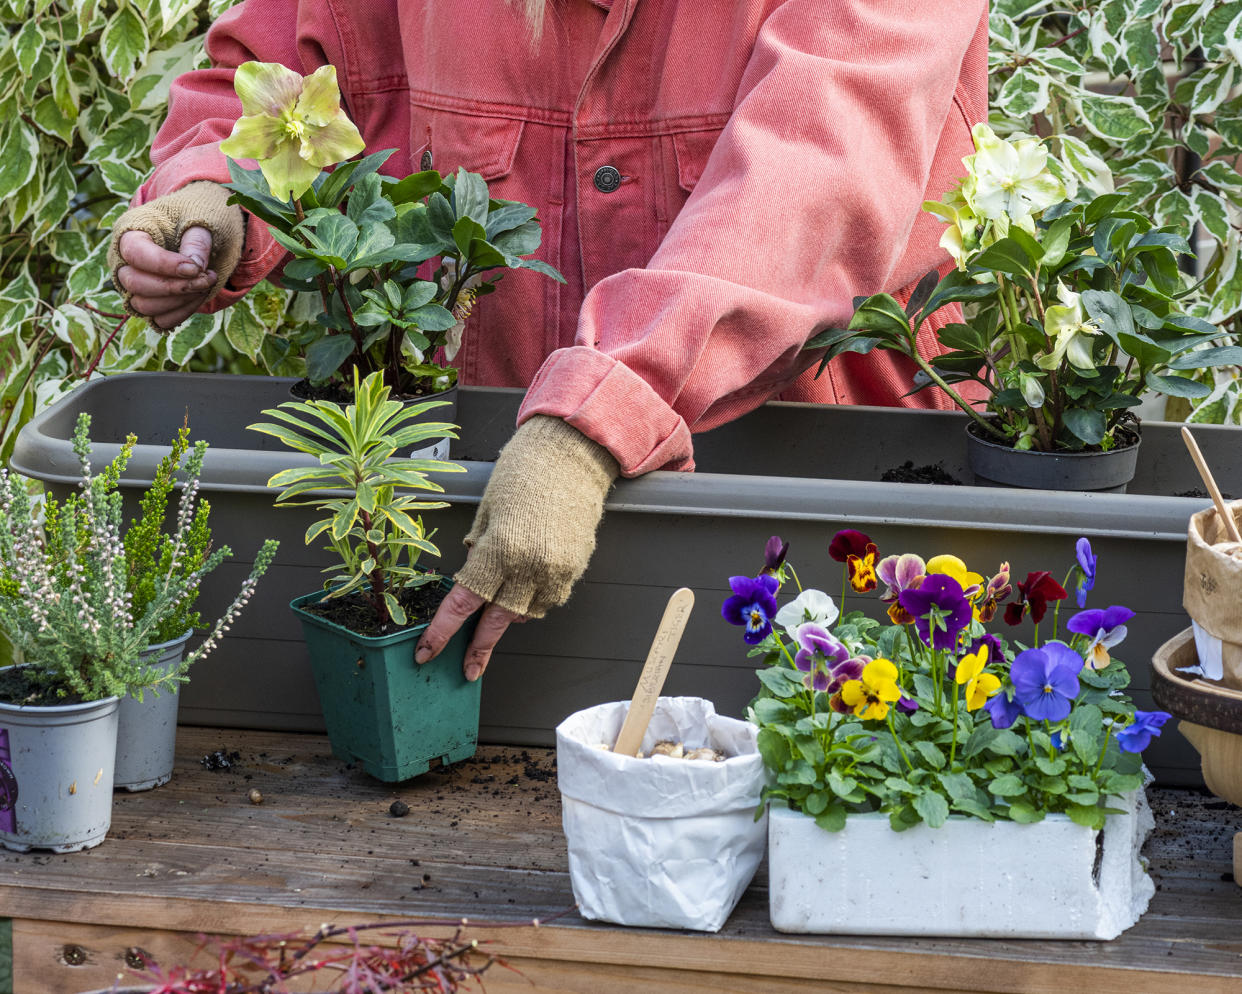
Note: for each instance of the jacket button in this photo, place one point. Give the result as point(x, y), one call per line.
point(607, 179)
point(425, 162)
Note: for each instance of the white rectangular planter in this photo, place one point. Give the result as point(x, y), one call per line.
point(1050, 880)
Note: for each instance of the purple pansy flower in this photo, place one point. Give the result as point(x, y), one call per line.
point(824, 660)
point(774, 554)
point(753, 605)
point(996, 654)
point(1045, 680)
point(904, 572)
point(907, 705)
point(1003, 710)
point(1086, 562)
point(940, 591)
point(1137, 736)
point(1103, 628)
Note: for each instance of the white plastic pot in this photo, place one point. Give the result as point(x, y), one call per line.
point(146, 737)
point(660, 842)
point(56, 768)
point(1050, 880)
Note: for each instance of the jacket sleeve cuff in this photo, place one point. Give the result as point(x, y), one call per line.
point(261, 253)
point(614, 406)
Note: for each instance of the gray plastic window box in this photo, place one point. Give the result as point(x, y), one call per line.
point(801, 471)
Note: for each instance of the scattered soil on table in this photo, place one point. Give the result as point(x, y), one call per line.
point(16, 687)
point(1201, 493)
point(354, 612)
point(221, 759)
point(907, 472)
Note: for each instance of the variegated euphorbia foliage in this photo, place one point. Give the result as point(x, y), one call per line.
point(1152, 89)
point(83, 88)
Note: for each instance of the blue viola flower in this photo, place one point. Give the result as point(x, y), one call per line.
point(1086, 562)
point(1103, 629)
point(1045, 680)
point(753, 605)
point(1137, 736)
point(1002, 709)
point(940, 591)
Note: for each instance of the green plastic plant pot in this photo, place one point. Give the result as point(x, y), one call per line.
point(382, 711)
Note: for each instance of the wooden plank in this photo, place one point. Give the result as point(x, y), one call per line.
point(197, 856)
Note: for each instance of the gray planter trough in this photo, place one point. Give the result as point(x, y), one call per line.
point(801, 471)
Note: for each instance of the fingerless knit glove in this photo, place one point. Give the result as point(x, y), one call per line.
point(534, 532)
point(203, 205)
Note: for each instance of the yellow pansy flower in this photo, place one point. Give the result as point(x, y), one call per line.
point(869, 697)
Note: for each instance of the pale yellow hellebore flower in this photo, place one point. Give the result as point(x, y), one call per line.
point(293, 126)
point(1072, 330)
point(1011, 179)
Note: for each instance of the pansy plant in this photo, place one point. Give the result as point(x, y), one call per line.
point(931, 714)
point(395, 265)
point(1072, 306)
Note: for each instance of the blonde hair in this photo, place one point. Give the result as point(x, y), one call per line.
point(534, 11)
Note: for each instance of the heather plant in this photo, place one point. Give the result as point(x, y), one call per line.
point(153, 553)
point(372, 527)
point(932, 713)
point(68, 610)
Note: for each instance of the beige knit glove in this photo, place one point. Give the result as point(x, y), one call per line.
point(203, 205)
point(534, 532)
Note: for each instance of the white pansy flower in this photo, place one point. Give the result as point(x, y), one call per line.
point(809, 607)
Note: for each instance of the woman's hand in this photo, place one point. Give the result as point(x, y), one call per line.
point(165, 286)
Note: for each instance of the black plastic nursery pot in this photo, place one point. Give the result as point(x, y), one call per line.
point(800, 471)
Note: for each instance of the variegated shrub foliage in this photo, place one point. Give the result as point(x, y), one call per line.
point(1153, 90)
point(83, 88)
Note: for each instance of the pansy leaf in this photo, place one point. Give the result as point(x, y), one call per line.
point(832, 819)
point(933, 808)
point(1177, 386)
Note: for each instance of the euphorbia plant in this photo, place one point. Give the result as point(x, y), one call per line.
point(372, 527)
point(1072, 304)
point(359, 239)
point(932, 713)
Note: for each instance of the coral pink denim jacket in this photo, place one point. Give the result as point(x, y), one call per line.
point(717, 180)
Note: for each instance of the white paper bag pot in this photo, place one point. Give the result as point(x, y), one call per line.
point(660, 841)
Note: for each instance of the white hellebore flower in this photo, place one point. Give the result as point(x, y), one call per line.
point(1011, 179)
point(1072, 331)
point(809, 607)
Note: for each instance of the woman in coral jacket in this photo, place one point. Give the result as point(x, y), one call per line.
point(716, 181)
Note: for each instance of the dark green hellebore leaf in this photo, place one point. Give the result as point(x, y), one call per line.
point(521, 240)
point(922, 292)
point(465, 230)
point(1009, 256)
point(1109, 311)
point(539, 266)
point(1223, 355)
point(441, 218)
point(325, 356)
point(415, 187)
point(1085, 424)
point(470, 198)
point(883, 315)
point(1178, 386)
point(506, 218)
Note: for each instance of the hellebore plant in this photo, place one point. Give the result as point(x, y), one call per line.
point(931, 714)
point(1072, 305)
point(359, 239)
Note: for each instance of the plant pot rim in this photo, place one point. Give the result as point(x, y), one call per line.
point(154, 647)
point(781, 811)
point(376, 641)
point(1129, 439)
point(53, 709)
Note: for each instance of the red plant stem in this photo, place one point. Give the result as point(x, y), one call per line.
point(104, 348)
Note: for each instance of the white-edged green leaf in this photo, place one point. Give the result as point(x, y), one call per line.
point(123, 42)
point(20, 160)
point(1114, 118)
point(189, 337)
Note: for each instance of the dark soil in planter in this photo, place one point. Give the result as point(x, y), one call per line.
point(1200, 492)
point(907, 472)
point(355, 613)
point(338, 393)
point(16, 687)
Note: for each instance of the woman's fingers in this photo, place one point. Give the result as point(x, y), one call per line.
point(145, 284)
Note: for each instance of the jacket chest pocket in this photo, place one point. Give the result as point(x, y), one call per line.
point(446, 140)
point(685, 158)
